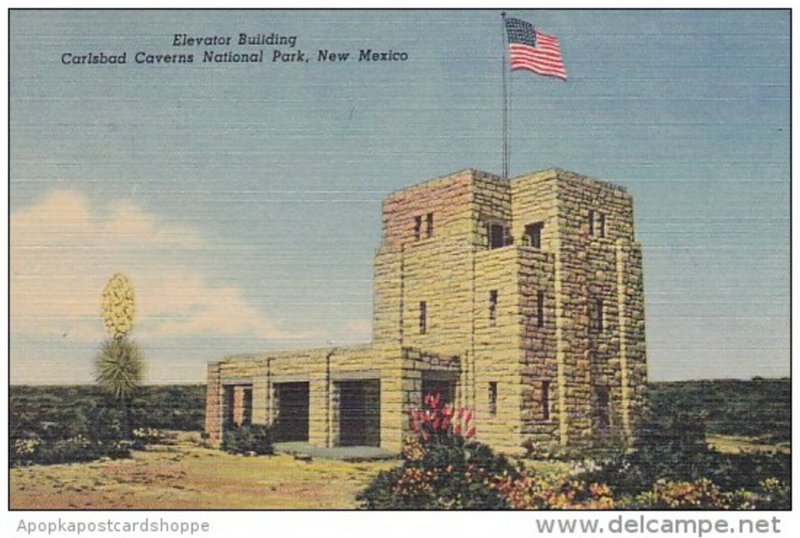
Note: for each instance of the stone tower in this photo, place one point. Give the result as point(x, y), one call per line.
point(536, 284)
point(520, 298)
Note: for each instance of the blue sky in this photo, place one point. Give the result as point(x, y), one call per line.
point(243, 200)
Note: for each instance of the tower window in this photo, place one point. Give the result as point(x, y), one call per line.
point(595, 312)
point(493, 398)
point(423, 317)
point(602, 400)
point(429, 225)
point(533, 234)
point(417, 227)
point(544, 400)
point(493, 307)
point(540, 308)
point(498, 235)
point(597, 223)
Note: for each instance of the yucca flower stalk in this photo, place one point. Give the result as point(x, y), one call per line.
point(119, 367)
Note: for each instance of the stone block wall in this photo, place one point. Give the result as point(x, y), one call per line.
point(539, 369)
point(447, 198)
point(592, 366)
point(214, 406)
point(496, 351)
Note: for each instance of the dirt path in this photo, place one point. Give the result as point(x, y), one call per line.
point(184, 477)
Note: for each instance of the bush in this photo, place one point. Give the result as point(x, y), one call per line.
point(700, 494)
point(443, 468)
point(251, 438)
point(79, 423)
point(671, 456)
point(534, 492)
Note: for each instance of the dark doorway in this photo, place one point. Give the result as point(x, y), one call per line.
point(291, 404)
point(359, 410)
point(446, 390)
point(238, 405)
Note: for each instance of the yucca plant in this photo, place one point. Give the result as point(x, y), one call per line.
point(119, 367)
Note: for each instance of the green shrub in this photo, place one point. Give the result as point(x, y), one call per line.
point(443, 468)
point(78, 449)
point(758, 408)
point(244, 439)
point(45, 421)
point(671, 449)
point(699, 494)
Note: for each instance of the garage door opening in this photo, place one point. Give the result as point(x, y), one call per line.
point(358, 406)
point(291, 417)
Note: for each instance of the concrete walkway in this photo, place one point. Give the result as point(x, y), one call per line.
point(344, 453)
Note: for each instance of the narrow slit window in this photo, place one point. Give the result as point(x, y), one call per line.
point(429, 225)
point(597, 223)
point(545, 400)
point(540, 308)
point(417, 227)
point(603, 406)
point(493, 398)
point(423, 317)
point(493, 307)
point(595, 312)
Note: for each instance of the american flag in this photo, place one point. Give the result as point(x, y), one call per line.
point(531, 50)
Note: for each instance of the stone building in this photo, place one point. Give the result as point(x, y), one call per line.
point(522, 299)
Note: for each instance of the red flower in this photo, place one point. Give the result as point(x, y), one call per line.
point(470, 433)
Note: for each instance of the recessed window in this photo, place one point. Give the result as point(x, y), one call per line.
point(595, 313)
point(493, 307)
point(417, 227)
point(498, 235)
point(423, 317)
point(544, 400)
point(540, 308)
point(533, 234)
point(493, 398)
point(597, 223)
point(429, 225)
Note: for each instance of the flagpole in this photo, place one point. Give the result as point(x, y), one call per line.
point(505, 97)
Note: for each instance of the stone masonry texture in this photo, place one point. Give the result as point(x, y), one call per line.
point(546, 341)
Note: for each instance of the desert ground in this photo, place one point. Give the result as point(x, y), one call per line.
point(188, 476)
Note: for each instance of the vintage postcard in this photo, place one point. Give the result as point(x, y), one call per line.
point(400, 260)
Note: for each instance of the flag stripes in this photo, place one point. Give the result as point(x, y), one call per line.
point(531, 50)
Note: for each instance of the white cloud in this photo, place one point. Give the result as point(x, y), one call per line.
point(64, 249)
